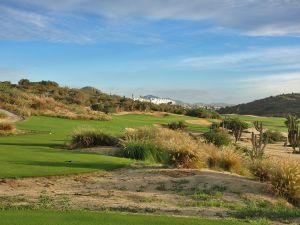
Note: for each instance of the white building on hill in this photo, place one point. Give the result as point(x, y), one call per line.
point(156, 100)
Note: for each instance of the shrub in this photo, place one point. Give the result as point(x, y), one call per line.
point(218, 137)
point(6, 127)
point(182, 150)
point(203, 113)
point(283, 174)
point(144, 150)
point(214, 125)
point(260, 168)
point(236, 126)
point(285, 179)
point(3, 115)
point(90, 137)
point(227, 159)
point(181, 125)
point(274, 136)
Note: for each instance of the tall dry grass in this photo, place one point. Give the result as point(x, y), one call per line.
point(3, 115)
point(227, 159)
point(85, 137)
point(183, 151)
point(283, 175)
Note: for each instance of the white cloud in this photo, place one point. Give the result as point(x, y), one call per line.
point(59, 20)
point(258, 60)
point(252, 17)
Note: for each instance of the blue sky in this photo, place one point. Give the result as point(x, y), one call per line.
point(194, 50)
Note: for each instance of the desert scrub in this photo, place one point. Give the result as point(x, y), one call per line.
point(181, 125)
point(285, 179)
point(283, 175)
point(219, 137)
point(227, 159)
point(3, 115)
point(274, 136)
point(7, 129)
point(144, 150)
point(181, 149)
point(84, 137)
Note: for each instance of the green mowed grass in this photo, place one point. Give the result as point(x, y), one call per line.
point(273, 123)
point(93, 218)
point(41, 154)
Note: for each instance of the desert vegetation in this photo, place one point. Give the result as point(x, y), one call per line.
point(165, 143)
point(85, 137)
point(218, 136)
point(292, 123)
point(3, 115)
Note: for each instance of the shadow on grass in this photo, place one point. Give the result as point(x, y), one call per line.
point(47, 145)
point(108, 166)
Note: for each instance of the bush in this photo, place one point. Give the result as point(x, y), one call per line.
point(227, 159)
point(260, 168)
point(285, 179)
point(274, 136)
point(182, 150)
point(89, 137)
point(236, 126)
point(6, 127)
point(144, 150)
point(218, 137)
point(3, 115)
point(181, 125)
point(203, 113)
point(284, 176)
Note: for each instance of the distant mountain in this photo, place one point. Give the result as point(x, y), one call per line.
point(280, 105)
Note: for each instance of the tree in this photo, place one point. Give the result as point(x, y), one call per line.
point(236, 126)
point(24, 82)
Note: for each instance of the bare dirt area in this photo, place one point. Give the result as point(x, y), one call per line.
point(276, 149)
point(156, 190)
point(199, 122)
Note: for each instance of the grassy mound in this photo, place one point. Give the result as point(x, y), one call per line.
point(90, 137)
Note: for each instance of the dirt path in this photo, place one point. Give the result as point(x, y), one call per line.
point(154, 190)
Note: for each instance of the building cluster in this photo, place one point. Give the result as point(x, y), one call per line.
point(156, 100)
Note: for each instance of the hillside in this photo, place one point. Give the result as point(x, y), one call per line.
point(279, 105)
point(26, 103)
point(48, 98)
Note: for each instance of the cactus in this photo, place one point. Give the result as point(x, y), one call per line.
point(293, 132)
point(259, 142)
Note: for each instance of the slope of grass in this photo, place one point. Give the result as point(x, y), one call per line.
point(273, 123)
point(89, 218)
point(41, 153)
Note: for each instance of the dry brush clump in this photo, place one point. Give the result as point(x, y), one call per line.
point(283, 175)
point(85, 137)
point(7, 129)
point(227, 159)
point(177, 148)
point(3, 115)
